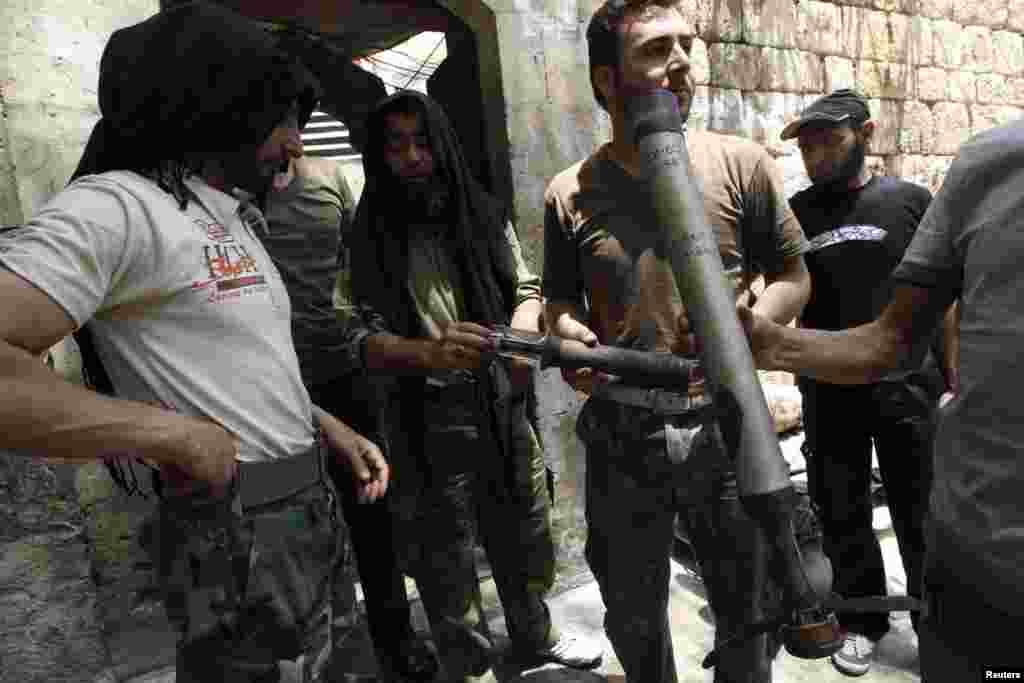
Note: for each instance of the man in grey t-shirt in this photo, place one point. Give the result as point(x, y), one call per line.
point(970, 245)
point(148, 250)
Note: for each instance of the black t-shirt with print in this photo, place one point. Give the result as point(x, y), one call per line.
point(857, 238)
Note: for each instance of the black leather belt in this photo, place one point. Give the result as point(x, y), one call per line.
point(456, 388)
point(272, 480)
point(658, 401)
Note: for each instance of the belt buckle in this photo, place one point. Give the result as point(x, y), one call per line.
point(452, 378)
point(269, 481)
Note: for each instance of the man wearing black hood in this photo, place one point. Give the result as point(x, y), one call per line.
point(309, 215)
point(431, 251)
point(148, 249)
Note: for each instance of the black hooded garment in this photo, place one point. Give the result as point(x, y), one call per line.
point(193, 81)
point(477, 223)
point(380, 275)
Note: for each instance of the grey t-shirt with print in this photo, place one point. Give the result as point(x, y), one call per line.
point(186, 309)
point(971, 243)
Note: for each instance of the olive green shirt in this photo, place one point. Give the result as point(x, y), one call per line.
point(434, 281)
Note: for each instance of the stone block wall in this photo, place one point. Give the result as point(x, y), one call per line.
point(935, 72)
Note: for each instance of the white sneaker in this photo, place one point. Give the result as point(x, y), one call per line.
point(572, 650)
point(854, 659)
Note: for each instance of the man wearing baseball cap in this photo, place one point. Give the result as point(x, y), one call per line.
point(841, 107)
point(859, 225)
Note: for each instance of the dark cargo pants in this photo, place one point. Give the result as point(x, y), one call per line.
point(841, 423)
point(633, 497)
point(468, 496)
point(388, 612)
point(249, 587)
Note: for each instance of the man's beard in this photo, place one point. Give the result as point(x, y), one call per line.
point(850, 167)
point(426, 199)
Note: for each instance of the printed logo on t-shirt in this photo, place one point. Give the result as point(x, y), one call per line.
point(215, 232)
point(218, 233)
point(847, 233)
point(233, 271)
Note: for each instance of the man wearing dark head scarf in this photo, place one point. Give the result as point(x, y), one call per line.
point(308, 216)
point(434, 260)
point(189, 320)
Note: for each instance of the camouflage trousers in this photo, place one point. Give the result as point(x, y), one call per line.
point(468, 498)
point(637, 488)
point(251, 588)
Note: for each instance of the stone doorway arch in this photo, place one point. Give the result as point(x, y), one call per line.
point(468, 83)
point(473, 54)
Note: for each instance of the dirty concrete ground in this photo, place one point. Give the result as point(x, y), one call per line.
point(580, 609)
point(692, 634)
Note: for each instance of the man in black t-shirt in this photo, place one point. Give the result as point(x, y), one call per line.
point(859, 225)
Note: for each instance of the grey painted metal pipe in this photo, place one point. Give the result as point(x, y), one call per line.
point(691, 248)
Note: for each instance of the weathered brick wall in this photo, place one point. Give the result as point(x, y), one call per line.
point(935, 71)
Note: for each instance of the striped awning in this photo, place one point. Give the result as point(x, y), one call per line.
point(327, 137)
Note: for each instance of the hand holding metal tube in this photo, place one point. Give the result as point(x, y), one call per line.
point(462, 346)
point(691, 249)
point(636, 368)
